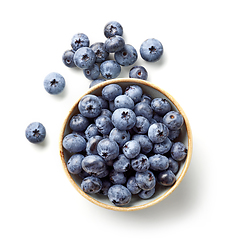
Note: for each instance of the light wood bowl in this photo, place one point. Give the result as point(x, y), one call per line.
point(161, 192)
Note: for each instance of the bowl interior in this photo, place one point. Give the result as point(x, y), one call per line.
point(161, 192)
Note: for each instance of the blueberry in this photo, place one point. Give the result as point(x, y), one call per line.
point(106, 184)
point(161, 106)
point(143, 109)
point(74, 143)
point(166, 178)
point(178, 151)
point(110, 69)
point(97, 81)
point(145, 180)
point(173, 165)
point(100, 52)
point(111, 91)
point(162, 147)
point(83, 174)
point(123, 119)
point(157, 117)
point(91, 147)
point(114, 44)
point(140, 163)
point(126, 56)
point(138, 72)
point(174, 134)
point(173, 120)
point(146, 99)
point(106, 112)
point(120, 137)
point(131, 149)
point(74, 164)
point(144, 141)
point(151, 50)
point(132, 185)
point(90, 106)
point(84, 58)
point(122, 164)
point(104, 124)
point(123, 101)
point(146, 194)
point(54, 83)
point(91, 131)
point(142, 125)
point(79, 123)
point(119, 195)
point(108, 149)
point(113, 28)
point(91, 184)
point(117, 177)
point(158, 132)
point(35, 132)
point(92, 73)
point(94, 165)
point(112, 106)
point(67, 58)
point(134, 92)
point(158, 162)
point(79, 40)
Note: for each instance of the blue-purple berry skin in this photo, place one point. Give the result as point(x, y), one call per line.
point(113, 28)
point(145, 180)
point(111, 91)
point(147, 194)
point(173, 165)
point(126, 56)
point(166, 178)
point(144, 141)
point(110, 69)
point(158, 162)
point(142, 125)
point(178, 151)
point(120, 137)
point(117, 177)
point(106, 184)
point(140, 163)
point(100, 52)
point(114, 44)
point(158, 132)
point(161, 106)
point(104, 103)
point(122, 164)
point(173, 120)
point(91, 131)
point(119, 195)
point(92, 73)
point(91, 147)
point(151, 50)
point(84, 58)
point(163, 147)
point(132, 185)
point(131, 149)
point(67, 58)
point(123, 119)
point(134, 92)
point(94, 165)
point(138, 72)
point(79, 123)
point(54, 83)
point(104, 124)
point(79, 40)
point(174, 134)
point(74, 164)
point(74, 143)
point(35, 132)
point(91, 184)
point(97, 81)
point(90, 106)
point(146, 99)
point(123, 101)
point(143, 109)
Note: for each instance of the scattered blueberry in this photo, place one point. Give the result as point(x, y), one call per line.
point(151, 50)
point(100, 52)
point(178, 151)
point(114, 44)
point(79, 40)
point(113, 28)
point(84, 58)
point(35, 132)
point(110, 69)
point(126, 56)
point(119, 195)
point(74, 164)
point(92, 73)
point(91, 184)
point(67, 58)
point(138, 72)
point(54, 83)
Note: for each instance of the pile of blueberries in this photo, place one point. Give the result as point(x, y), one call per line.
point(94, 59)
point(123, 142)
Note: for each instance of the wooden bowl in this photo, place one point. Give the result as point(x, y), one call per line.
point(161, 192)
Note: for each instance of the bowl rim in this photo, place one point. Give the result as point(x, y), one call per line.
point(187, 160)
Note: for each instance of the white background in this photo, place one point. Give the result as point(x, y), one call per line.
point(199, 68)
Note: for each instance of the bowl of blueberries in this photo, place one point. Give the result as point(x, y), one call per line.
point(126, 144)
